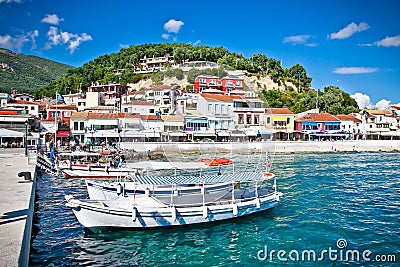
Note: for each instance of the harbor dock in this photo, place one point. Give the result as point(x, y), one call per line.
point(17, 201)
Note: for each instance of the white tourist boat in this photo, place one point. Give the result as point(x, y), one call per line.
point(177, 193)
point(106, 173)
point(78, 160)
point(147, 211)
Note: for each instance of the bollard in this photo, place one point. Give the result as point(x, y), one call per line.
point(26, 175)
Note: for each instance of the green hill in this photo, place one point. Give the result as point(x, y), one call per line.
point(103, 70)
point(27, 73)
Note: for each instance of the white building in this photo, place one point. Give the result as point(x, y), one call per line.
point(218, 109)
point(141, 107)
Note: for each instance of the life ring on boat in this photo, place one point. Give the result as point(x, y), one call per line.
point(268, 175)
point(119, 189)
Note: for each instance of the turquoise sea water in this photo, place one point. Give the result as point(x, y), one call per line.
point(343, 202)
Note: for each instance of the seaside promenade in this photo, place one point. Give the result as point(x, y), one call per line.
point(17, 200)
point(171, 148)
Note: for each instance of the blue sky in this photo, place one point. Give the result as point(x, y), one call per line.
point(354, 45)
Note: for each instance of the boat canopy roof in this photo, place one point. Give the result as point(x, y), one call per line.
point(170, 165)
point(205, 179)
point(79, 154)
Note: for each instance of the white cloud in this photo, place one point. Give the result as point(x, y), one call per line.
point(11, 1)
point(73, 40)
point(32, 36)
point(363, 100)
point(76, 40)
point(16, 43)
point(52, 19)
point(297, 39)
point(389, 41)
point(349, 30)
point(165, 36)
point(382, 104)
point(354, 70)
point(173, 25)
point(197, 42)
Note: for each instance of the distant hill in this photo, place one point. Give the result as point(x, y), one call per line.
point(27, 73)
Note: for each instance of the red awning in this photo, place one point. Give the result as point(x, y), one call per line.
point(63, 134)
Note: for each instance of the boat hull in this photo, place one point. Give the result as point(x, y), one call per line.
point(95, 174)
point(95, 215)
point(177, 194)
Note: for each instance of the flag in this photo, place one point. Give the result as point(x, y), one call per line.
point(268, 159)
point(59, 98)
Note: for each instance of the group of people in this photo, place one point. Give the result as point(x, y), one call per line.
point(12, 144)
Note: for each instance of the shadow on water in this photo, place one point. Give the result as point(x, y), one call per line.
point(112, 233)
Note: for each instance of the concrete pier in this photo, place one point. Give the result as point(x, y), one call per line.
point(17, 199)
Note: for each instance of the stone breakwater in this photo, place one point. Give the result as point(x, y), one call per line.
point(174, 148)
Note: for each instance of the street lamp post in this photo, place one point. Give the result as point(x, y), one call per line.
point(26, 139)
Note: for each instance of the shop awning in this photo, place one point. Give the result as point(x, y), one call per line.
point(63, 134)
point(105, 133)
point(251, 133)
point(132, 133)
point(152, 134)
point(10, 133)
point(176, 134)
point(223, 133)
point(199, 133)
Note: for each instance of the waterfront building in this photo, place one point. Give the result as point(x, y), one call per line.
point(105, 94)
point(318, 127)
point(152, 127)
point(101, 109)
point(379, 124)
point(77, 99)
point(163, 96)
point(78, 127)
point(130, 126)
point(351, 125)
point(101, 127)
point(173, 128)
point(196, 125)
point(141, 106)
point(279, 122)
point(27, 107)
point(218, 109)
point(24, 97)
point(249, 115)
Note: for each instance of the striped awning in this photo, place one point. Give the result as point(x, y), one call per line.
point(205, 179)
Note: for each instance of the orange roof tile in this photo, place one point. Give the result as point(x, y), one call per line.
point(96, 115)
point(67, 107)
point(150, 118)
point(128, 115)
point(141, 103)
point(217, 97)
point(279, 111)
point(344, 117)
point(24, 102)
point(318, 117)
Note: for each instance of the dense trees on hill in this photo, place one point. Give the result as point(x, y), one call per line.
point(332, 100)
point(103, 69)
point(27, 73)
